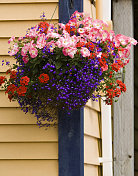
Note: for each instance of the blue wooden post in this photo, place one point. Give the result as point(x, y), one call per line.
point(71, 127)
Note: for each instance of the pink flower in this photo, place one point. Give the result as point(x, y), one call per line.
point(32, 32)
point(122, 39)
point(99, 24)
point(24, 50)
point(105, 35)
point(85, 52)
point(41, 41)
point(105, 67)
point(14, 50)
point(72, 52)
point(133, 41)
point(81, 31)
point(11, 39)
point(25, 59)
point(33, 52)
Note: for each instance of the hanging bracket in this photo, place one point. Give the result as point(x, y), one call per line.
point(93, 2)
point(71, 2)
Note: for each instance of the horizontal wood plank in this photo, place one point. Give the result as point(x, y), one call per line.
point(26, 1)
point(90, 170)
point(29, 167)
point(16, 116)
point(27, 133)
point(5, 102)
point(91, 150)
point(4, 46)
point(91, 122)
point(28, 151)
point(27, 11)
point(18, 28)
point(93, 105)
point(5, 67)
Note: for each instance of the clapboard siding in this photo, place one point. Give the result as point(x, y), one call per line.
point(92, 123)
point(18, 28)
point(28, 150)
point(27, 11)
point(25, 149)
point(90, 170)
point(91, 150)
point(27, 133)
point(25, 1)
point(92, 138)
point(29, 167)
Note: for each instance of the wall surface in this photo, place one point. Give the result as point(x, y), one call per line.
point(135, 8)
point(25, 149)
point(124, 108)
point(92, 124)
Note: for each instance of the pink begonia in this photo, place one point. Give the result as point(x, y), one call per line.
point(132, 41)
point(105, 67)
point(105, 35)
point(11, 39)
point(99, 24)
point(52, 35)
point(65, 51)
point(25, 59)
point(20, 38)
point(33, 52)
point(51, 45)
point(95, 34)
point(123, 40)
point(81, 31)
point(124, 53)
point(32, 32)
point(85, 52)
point(112, 35)
point(24, 50)
point(72, 52)
point(62, 26)
point(14, 50)
point(41, 41)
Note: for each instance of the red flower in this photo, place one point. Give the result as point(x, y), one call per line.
point(43, 26)
point(121, 85)
point(116, 67)
point(24, 81)
point(80, 44)
point(11, 89)
point(43, 78)
point(13, 74)
point(2, 78)
point(92, 56)
point(21, 90)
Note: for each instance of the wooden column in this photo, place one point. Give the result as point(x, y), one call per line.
point(71, 127)
point(124, 108)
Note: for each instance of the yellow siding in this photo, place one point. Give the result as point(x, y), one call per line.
point(92, 125)
point(25, 149)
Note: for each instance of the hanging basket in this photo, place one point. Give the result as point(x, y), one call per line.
point(61, 68)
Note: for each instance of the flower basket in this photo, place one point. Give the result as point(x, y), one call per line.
point(61, 68)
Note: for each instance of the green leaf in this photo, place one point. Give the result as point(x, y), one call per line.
point(58, 65)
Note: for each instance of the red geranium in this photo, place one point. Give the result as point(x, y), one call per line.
point(43, 78)
point(21, 90)
point(13, 74)
point(24, 81)
point(44, 26)
point(2, 78)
